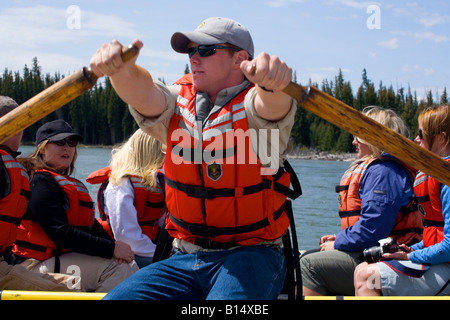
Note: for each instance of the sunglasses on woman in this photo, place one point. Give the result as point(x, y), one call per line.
point(420, 133)
point(61, 143)
point(207, 50)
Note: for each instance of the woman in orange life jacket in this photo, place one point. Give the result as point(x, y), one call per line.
point(131, 196)
point(422, 269)
point(378, 189)
point(14, 195)
point(59, 233)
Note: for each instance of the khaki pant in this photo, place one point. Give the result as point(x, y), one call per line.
point(97, 274)
point(329, 272)
point(19, 278)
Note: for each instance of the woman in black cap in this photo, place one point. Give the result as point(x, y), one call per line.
point(59, 232)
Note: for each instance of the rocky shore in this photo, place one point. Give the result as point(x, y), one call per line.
point(312, 154)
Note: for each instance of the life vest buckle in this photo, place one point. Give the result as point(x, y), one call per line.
point(202, 231)
point(199, 192)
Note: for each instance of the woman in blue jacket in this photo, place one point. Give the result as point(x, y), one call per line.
point(424, 268)
point(385, 186)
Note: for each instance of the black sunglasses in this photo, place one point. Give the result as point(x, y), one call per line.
point(60, 143)
point(420, 133)
point(207, 50)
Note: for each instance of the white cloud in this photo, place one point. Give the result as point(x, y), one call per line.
point(390, 44)
point(321, 73)
point(407, 68)
point(428, 71)
point(334, 18)
point(425, 35)
point(328, 69)
point(354, 4)
point(283, 3)
point(160, 54)
point(415, 68)
point(430, 20)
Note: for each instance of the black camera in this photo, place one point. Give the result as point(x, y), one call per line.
point(375, 254)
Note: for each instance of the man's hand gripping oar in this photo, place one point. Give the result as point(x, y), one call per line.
point(52, 98)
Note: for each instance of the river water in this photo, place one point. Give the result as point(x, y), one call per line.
point(315, 212)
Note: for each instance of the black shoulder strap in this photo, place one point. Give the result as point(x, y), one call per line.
point(294, 280)
point(101, 199)
point(290, 193)
point(294, 285)
point(5, 181)
point(163, 248)
point(294, 179)
point(160, 177)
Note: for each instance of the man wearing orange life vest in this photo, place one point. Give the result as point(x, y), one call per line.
point(422, 269)
point(14, 194)
point(225, 214)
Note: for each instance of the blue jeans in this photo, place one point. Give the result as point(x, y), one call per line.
point(254, 272)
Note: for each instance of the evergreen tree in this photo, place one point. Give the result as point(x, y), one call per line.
point(8, 84)
point(99, 101)
point(444, 98)
point(429, 98)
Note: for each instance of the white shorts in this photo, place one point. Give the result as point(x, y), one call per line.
point(394, 283)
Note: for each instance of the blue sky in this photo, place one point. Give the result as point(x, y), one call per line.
point(401, 43)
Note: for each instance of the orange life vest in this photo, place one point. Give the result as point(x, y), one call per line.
point(428, 191)
point(33, 242)
point(216, 194)
point(408, 225)
point(149, 204)
point(101, 177)
point(13, 203)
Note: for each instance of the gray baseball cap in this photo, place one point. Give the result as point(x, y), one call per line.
point(214, 31)
point(7, 104)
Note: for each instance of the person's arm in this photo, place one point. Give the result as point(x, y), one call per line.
point(271, 75)
point(47, 205)
point(382, 193)
point(440, 252)
point(132, 83)
point(119, 206)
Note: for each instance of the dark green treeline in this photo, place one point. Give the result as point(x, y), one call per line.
point(313, 132)
point(102, 118)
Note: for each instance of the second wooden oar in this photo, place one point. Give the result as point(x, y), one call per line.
point(51, 99)
point(353, 121)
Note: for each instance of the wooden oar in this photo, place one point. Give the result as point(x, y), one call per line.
point(51, 99)
point(353, 121)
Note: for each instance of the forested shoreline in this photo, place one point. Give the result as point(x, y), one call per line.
point(102, 118)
